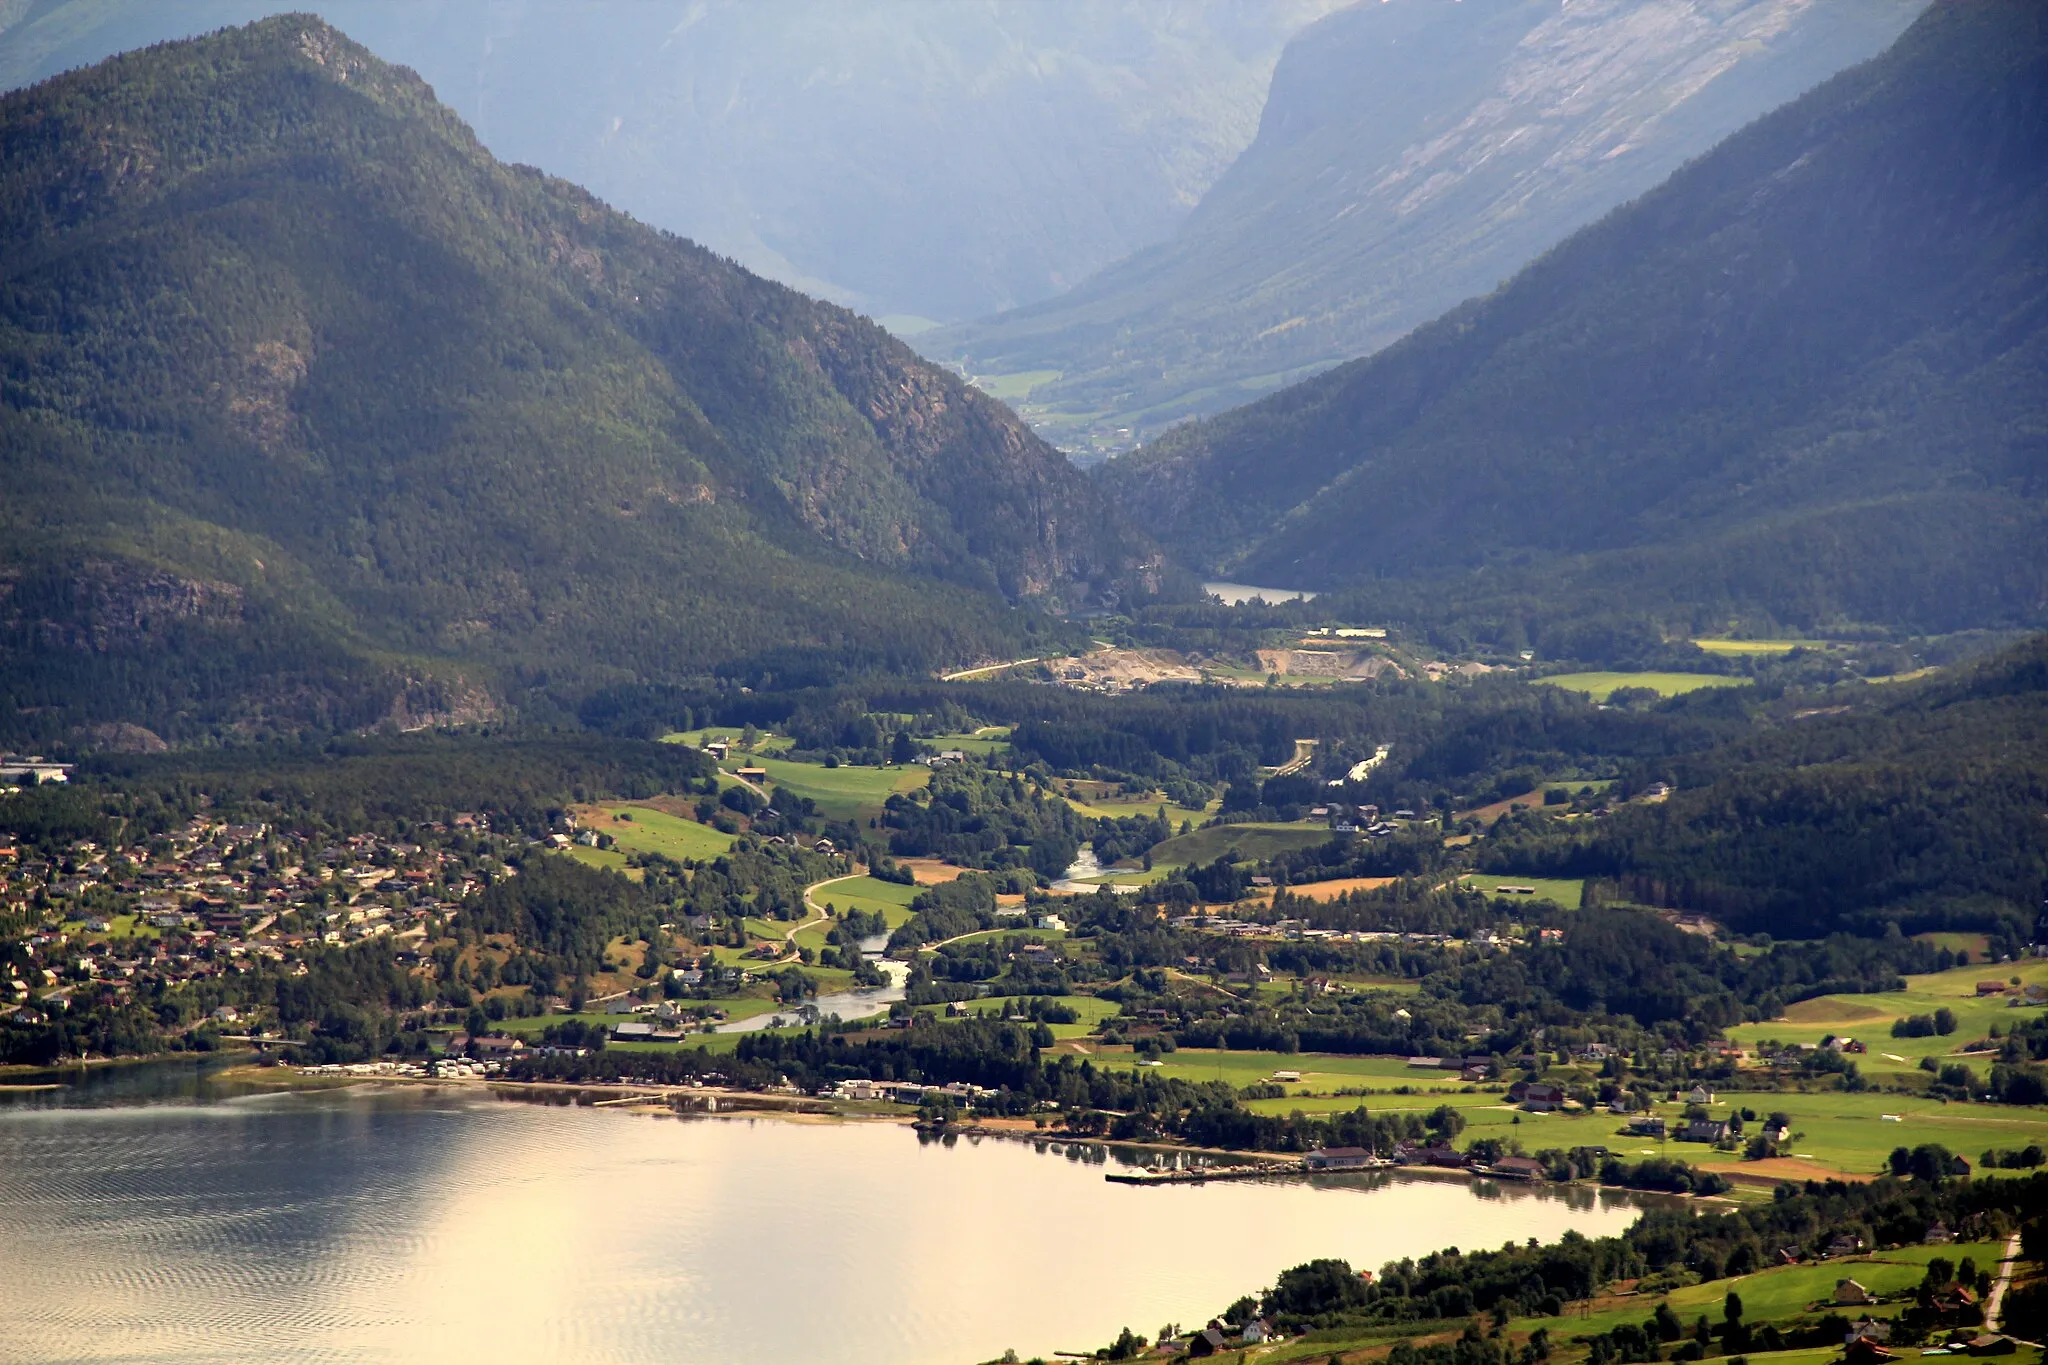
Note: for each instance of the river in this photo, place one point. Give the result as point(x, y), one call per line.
point(432, 1225)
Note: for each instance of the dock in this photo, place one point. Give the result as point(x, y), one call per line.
point(1201, 1174)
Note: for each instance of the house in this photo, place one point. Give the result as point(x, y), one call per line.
point(634, 1030)
point(1520, 1168)
point(1775, 1133)
point(1699, 1094)
point(1849, 1291)
point(1704, 1130)
point(1649, 1126)
point(1872, 1329)
point(1845, 1244)
point(1990, 988)
point(1337, 1159)
point(1991, 1344)
point(1864, 1351)
point(1536, 1096)
point(1952, 1299)
point(1050, 922)
point(1938, 1233)
point(1256, 1331)
point(718, 749)
point(1209, 1341)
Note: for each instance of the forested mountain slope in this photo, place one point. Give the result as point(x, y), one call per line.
point(898, 156)
point(1923, 804)
point(1411, 154)
point(302, 392)
point(1807, 375)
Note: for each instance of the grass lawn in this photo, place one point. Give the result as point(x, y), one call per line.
point(1249, 841)
point(1601, 685)
point(1565, 891)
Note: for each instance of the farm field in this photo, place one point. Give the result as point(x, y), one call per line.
point(1250, 841)
point(1320, 1072)
point(1778, 1293)
point(846, 793)
point(987, 740)
point(641, 829)
point(1331, 890)
point(890, 900)
point(1742, 647)
point(1012, 388)
point(1564, 891)
point(1600, 686)
point(1868, 1018)
point(1091, 1010)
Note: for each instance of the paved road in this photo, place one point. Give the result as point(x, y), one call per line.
point(1996, 1302)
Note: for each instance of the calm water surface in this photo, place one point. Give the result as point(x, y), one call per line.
point(426, 1225)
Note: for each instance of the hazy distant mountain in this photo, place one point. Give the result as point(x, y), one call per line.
point(900, 156)
point(1412, 154)
point(301, 393)
point(1808, 373)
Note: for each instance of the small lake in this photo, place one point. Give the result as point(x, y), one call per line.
point(431, 1225)
point(1237, 594)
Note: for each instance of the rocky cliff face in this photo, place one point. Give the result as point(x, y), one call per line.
point(1411, 154)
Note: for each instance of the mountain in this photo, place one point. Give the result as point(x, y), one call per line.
point(311, 410)
point(1807, 376)
point(902, 157)
point(1411, 154)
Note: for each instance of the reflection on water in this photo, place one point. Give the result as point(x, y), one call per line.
point(423, 1225)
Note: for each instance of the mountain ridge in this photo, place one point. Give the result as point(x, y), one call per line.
point(272, 318)
point(1411, 155)
point(1833, 319)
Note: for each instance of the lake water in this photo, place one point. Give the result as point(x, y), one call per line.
point(429, 1225)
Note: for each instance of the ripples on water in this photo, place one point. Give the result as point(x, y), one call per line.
point(381, 1226)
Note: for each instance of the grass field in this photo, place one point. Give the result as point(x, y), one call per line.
point(1091, 1011)
point(1600, 686)
point(1012, 388)
point(1565, 891)
point(641, 829)
point(1777, 1294)
point(1250, 841)
point(847, 793)
point(1868, 1018)
point(987, 740)
point(887, 899)
point(1321, 1073)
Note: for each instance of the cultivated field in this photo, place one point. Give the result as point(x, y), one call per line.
point(1602, 685)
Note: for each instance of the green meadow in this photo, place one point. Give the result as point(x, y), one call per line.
point(1601, 686)
point(644, 830)
point(1564, 891)
point(1249, 841)
point(1868, 1018)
